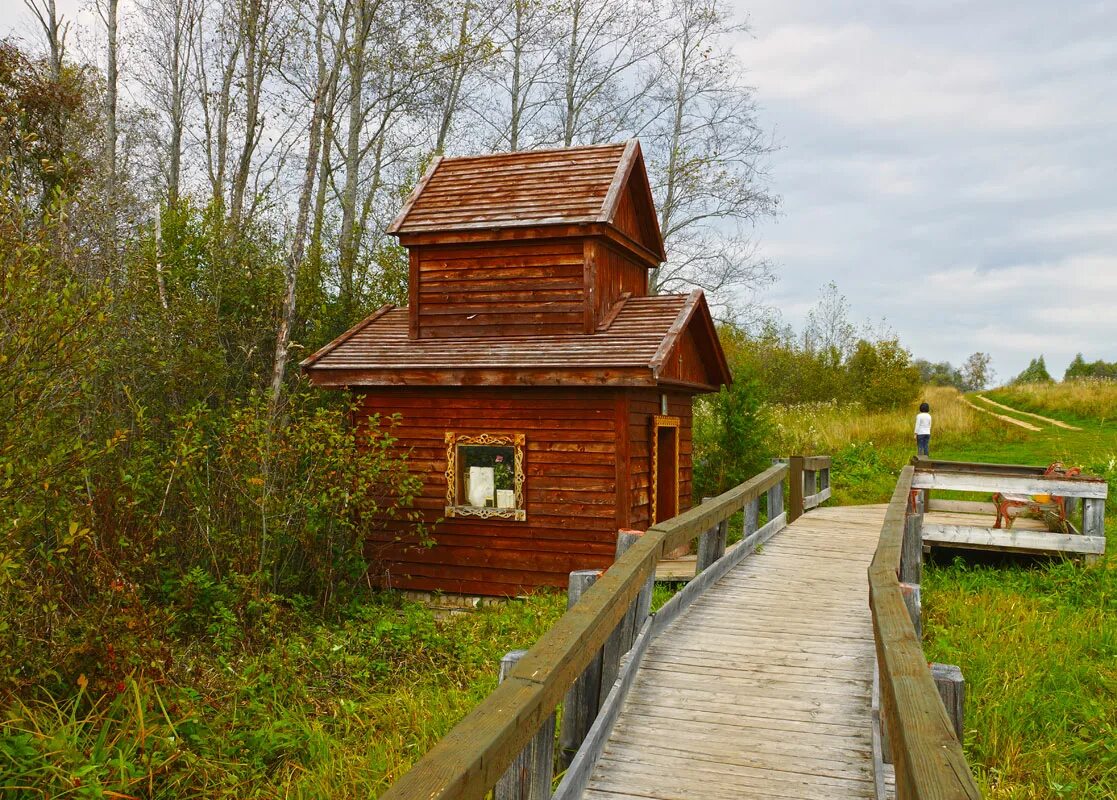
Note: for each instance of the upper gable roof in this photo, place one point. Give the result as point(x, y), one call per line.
point(650, 341)
point(533, 188)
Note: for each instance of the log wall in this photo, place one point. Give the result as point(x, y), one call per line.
point(582, 483)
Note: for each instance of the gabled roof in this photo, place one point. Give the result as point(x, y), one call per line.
point(638, 348)
point(536, 188)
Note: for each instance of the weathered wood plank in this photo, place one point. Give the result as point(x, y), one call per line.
point(1010, 484)
point(1012, 541)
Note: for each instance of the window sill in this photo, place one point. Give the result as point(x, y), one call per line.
point(516, 514)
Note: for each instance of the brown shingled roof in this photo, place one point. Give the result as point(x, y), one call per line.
point(630, 352)
point(529, 188)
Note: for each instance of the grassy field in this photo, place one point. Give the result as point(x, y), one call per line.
point(1037, 642)
point(333, 710)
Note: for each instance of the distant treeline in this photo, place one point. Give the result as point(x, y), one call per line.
point(1078, 369)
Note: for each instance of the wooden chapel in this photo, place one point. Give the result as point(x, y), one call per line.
point(545, 396)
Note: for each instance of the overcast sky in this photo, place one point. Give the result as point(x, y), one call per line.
point(952, 166)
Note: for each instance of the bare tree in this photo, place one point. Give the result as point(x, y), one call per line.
point(108, 13)
point(521, 78)
point(218, 52)
point(55, 28)
point(261, 46)
point(167, 48)
point(706, 153)
point(326, 76)
point(828, 331)
point(600, 91)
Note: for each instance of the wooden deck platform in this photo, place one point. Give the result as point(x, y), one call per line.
point(762, 688)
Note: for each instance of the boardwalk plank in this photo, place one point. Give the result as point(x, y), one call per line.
point(761, 689)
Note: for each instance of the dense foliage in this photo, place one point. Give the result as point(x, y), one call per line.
point(1080, 368)
point(1035, 372)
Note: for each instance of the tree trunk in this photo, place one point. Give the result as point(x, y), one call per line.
point(348, 235)
point(298, 241)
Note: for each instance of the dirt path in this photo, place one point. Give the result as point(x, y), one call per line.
point(1026, 425)
point(1048, 420)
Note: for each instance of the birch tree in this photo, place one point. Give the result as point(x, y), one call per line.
point(167, 50)
point(707, 157)
point(600, 89)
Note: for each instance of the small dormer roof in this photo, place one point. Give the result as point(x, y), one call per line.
point(599, 184)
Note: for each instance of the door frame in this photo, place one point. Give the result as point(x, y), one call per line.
point(658, 423)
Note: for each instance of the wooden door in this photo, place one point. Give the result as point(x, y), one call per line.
point(665, 468)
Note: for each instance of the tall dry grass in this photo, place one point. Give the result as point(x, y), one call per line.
point(828, 427)
point(1082, 398)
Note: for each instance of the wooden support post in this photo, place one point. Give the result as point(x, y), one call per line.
point(911, 552)
point(824, 479)
point(795, 484)
point(810, 484)
point(1071, 505)
point(711, 544)
point(752, 517)
point(775, 501)
point(1093, 517)
point(620, 640)
point(952, 690)
point(579, 707)
point(885, 710)
point(529, 775)
point(913, 601)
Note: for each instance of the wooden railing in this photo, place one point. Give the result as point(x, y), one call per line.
point(809, 483)
point(928, 759)
point(471, 759)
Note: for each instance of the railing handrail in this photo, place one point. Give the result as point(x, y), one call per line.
point(469, 760)
point(928, 758)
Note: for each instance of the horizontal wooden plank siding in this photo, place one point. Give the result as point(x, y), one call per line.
point(570, 488)
point(643, 406)
point(471, 291)
point(616, 273)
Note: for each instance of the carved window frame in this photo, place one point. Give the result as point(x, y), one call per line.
point(662, 421)
point(454, 508)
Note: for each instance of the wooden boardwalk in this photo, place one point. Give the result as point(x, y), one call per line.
point(762, 688)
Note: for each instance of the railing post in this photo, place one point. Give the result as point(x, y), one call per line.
point(579, 707)
point(711, 544)
point(952, 690)
point(752, 516)
point(620, 640)
point(824, 479)
point(1093, 516)
point(529, 775)
point(795, 485)
point(911, 552)
point(810, 485)
point(775, 500)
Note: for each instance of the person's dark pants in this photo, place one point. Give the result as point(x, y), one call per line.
point(923, 444)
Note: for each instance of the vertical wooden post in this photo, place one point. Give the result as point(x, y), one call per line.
point(752, 516)
point(824, 479)
point(711, 544)
point(913, 601)
point(911, 551)
point(1071, 505)
point(1093, 516)
point(952, 690)
point(620, 640)
point(775, 501)
point(795, 485)
point(810, 485)
point(529, 775)
point(579, 707)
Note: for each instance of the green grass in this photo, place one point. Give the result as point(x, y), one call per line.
point(336, 709)
point(1036, 641)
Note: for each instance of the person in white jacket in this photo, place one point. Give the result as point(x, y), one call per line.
point(923, 430)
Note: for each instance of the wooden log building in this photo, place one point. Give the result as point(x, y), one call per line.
point(545, 396)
